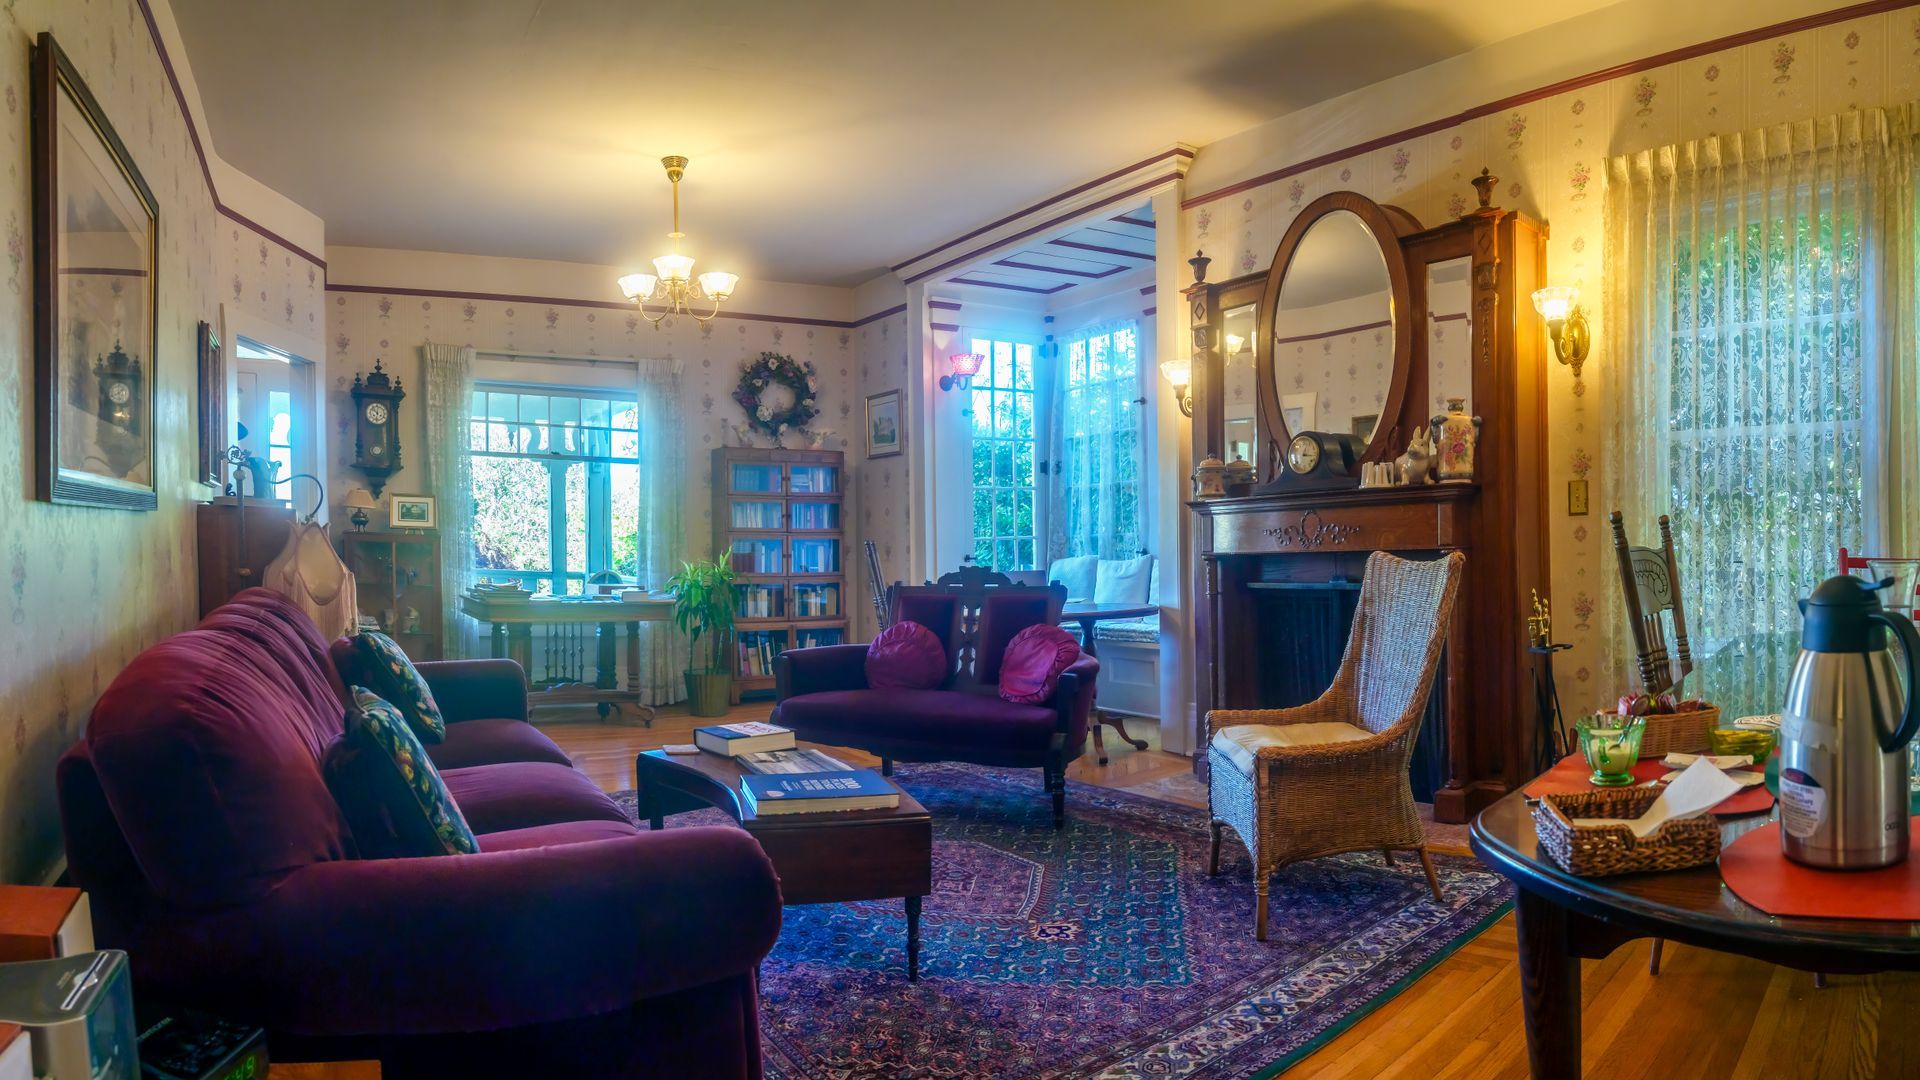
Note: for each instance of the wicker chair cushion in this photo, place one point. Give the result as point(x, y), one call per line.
point(1242, 742)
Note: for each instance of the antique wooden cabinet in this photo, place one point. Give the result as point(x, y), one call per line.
point(1363, 327)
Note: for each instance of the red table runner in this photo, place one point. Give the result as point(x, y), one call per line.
point(1754, 869)
point(1570, 777)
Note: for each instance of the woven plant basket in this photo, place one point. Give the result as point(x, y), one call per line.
point(1681, 732)
point(1601, 850)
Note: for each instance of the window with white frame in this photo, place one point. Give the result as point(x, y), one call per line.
point(1003, 408)
point(1098, 507)
point(556, 492)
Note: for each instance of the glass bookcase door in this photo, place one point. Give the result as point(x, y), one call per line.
point(760, 555)
point(760, 600)
point(758, 648)
point(815, 515)
point(754, 478)
point(816, 555)
point(756, 514)
point(816, 600)
point(815, 479)
point(812, 638)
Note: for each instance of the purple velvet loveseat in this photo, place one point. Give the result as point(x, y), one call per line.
point(198, 819)
point(824, 697)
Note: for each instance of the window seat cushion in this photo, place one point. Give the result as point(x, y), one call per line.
point(1144, 631)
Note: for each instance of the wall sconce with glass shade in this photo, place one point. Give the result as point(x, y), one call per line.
point(1566, 324)
point(964, 366)
point(1179, 374)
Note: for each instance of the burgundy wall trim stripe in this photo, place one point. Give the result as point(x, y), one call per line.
point(944, 305)
point(1012, 288)
point(200, 151)
point(945, 327)
point(1121, 252)
point(605, 305)
point(1176, 152)
point(1333, 333)
point(1632, 67)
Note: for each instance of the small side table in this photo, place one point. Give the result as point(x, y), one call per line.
point(1088, 616)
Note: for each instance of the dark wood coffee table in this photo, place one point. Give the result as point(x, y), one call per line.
point(1561, 919)
point(827, 858)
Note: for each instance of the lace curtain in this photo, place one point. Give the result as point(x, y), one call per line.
point(1759, 318)
point(662, 535)
point(1096, 445)
point(449, 411)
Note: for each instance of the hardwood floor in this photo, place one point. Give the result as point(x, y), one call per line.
point(1706, 1014)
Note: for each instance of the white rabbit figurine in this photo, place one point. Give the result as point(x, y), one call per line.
point(1418, 460)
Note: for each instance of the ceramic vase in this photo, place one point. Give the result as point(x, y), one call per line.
point(1455, 435)
point(1210, 479)
point(1239, 473)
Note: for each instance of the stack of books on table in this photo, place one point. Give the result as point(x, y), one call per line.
point(783, 779)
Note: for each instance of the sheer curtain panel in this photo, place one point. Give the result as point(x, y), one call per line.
point(449, 412)
point(1097, 445)
point(1759, 322)
point(662, 534)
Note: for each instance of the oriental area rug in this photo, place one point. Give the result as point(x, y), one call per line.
point(1100, 950)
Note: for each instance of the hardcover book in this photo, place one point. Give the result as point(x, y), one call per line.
point(807, 793)
point(752, 737)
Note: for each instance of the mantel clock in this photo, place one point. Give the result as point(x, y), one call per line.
point(376, 426)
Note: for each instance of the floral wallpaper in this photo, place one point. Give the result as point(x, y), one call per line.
point(1548, 155)
point(85, 590)
point(362, 327)
point(271, 282)
point(888, 501)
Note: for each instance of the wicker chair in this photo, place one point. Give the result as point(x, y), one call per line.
point(1331, 776)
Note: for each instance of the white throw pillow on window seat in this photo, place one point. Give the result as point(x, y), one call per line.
point(1077, 574)
point(1123, 581)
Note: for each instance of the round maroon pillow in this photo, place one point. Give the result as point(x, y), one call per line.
point(1030, 668)
point(906, 656)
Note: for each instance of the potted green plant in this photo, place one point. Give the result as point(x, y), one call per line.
point(703, 605)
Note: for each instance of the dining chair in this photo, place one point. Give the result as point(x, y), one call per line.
point(1330, 776)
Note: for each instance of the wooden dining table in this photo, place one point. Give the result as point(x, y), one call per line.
point(1561, 919)
point(1088, 616)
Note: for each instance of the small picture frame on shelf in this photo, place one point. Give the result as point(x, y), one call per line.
point(412, 512)
point(883, 425)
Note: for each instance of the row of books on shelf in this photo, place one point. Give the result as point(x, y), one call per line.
point(756, 655)
point(783, 779)
point(813, 603)
point(815, 516)
point(756, 515)
point(759, 602)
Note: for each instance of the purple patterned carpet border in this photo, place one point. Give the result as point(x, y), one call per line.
point(1103, 950)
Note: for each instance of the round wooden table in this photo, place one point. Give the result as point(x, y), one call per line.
point(1089, 616)
point(1561, 919)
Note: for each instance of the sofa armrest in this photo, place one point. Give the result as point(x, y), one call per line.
point(477, 689)
point(1073, 698)
point(823, 668)
point(478, 942)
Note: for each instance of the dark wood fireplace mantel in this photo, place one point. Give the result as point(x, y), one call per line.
point(1267, 544)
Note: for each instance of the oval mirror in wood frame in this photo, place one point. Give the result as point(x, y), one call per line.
point(1328, 242)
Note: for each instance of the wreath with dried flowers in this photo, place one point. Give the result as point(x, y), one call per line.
point(772, 369)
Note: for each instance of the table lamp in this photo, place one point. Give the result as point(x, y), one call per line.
point(360, 500)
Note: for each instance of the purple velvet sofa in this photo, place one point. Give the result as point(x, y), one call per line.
point(198, 820)
point(824, 697)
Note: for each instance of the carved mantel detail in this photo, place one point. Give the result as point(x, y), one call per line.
point(1312, 531)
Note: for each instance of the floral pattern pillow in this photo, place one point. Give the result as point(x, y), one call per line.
point(386, 668)
point(385, 736)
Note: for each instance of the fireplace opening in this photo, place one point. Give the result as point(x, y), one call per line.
point(1301, 633)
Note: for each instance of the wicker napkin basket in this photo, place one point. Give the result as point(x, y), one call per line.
point(1680, 732)
point(1601, 850)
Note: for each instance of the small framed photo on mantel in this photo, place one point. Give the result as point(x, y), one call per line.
point(883, 425)
point(411, 512)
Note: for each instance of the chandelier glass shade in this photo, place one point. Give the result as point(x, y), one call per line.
point(673, 285)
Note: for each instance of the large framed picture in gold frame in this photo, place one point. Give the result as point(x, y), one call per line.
point(95, 235)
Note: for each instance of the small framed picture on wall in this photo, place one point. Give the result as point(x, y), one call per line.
point(883, 424)
point(411, 512)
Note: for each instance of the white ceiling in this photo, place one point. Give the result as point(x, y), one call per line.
point(829, 138)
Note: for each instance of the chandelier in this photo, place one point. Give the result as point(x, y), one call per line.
point(672, 285)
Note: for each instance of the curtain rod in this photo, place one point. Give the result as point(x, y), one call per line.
point(557, 358)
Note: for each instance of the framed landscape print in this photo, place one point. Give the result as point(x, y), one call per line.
point(411, 512)
point(95, 234)
point(883, 424)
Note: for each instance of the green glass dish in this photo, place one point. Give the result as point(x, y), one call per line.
point(1611, 745)
point(1731, 742)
